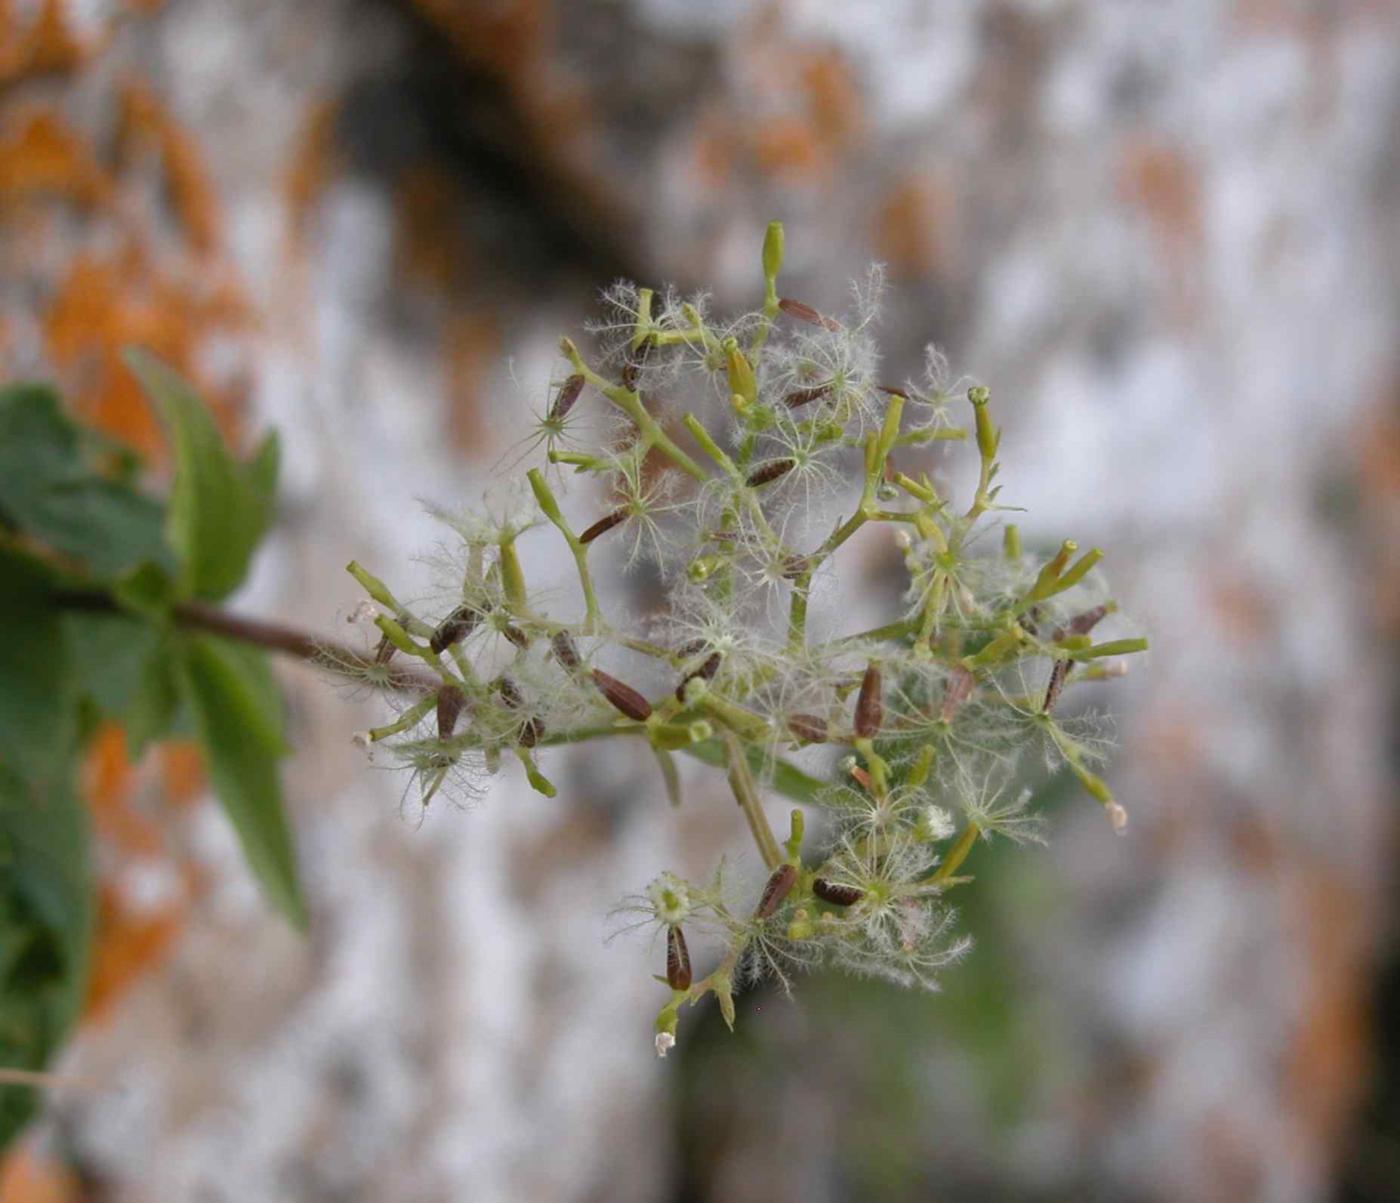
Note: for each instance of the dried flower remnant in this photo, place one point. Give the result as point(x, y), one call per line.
point(774, 446)
point(678, 975)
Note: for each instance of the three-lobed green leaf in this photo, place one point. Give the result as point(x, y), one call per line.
point(238, 717)
point(219, 507)
point(72, 492)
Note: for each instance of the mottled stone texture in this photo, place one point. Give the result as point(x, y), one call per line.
point(1165, 236)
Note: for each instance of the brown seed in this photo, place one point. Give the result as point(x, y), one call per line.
point(384, 652)
point(706, 672)
point(516, 636)
point(779, 885)
point(693, 648)
point(450, 701)
point(955, 692)
point(564, 650)
point(1081, 624)
point(870, 705)
point(635, 358)
point(510, 692)
point(805, 313)
point(795, 566)
point(623, 697)
point(566, 396)
point(808, 728)
point(454, 628)
point(769, 472)
point(531, 732)
point(1058, 673)
point(862, 778)
point(837, 895)
point(805, 396)
point(605, 524)
point(677, 960)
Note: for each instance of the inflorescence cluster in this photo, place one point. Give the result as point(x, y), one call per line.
point(736, 460)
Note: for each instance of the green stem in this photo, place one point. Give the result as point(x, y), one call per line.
point(956, 855)
point(746, 794)
point(631, 404)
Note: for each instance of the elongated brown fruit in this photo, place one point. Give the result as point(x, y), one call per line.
point(510, 692)
point(770, 472)
point(837, 895)
point(1081, 624)
point(870, 705)
point(1058, 673)
point(805, 396)
point(623, 697)
point(566, 396)
point(956, 691)
point(454, 628)
point(450, 701)
point(564, 650)
point(678, 975)
point(808, 728)
point(604, 524)
point(779, 885)
point(632, 368)
point(706, 672)
point(805, 313)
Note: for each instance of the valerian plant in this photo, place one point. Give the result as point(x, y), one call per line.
point(738, 459)
point(740, 463)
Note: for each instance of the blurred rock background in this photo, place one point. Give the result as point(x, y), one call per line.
point(1167, 236)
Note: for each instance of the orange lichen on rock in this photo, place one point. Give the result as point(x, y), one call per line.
point(312, 162)
point(1163, 183)
point(107, 781)
point(42, 157)
point(910, 223)
point(130, 942)
point(131, 937)
point(181, 772)
point(473, 349)
point(1327, 1063)
point(832, 96)
point(46, 45)
point(103, 306)
point(146, 124)
point(429, 246)
point(28, 1176)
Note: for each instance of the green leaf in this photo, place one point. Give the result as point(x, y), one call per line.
point(219, 507)
point(66, 488)
point(146, 589)
point(238, 716)
point(38, 684)
point(127, 673)
point(776, 774)
point(45, 928)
